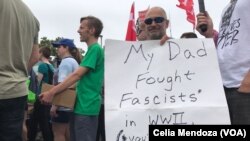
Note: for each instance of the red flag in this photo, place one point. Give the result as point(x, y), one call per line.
point(188, 6)
point(131, 34)
point(142, 14)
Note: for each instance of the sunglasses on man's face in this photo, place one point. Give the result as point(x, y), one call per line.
point(149, 21)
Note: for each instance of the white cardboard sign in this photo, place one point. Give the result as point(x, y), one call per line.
point(145, 83)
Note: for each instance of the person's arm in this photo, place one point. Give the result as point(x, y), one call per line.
point(205, 19)
point(216, 37)
point(53, 111)
point(34, 58)
point(210, 33)
point(245, 84)
point(39, 78)
point(164, 39)
point(47, 97)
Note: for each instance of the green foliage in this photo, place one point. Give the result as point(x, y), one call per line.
point(81, 51)
point(45, 42)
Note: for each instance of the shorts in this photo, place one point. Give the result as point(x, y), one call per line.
point(83, 128)
point(62, 117)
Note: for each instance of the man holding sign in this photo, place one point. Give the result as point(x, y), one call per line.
point(166, 84)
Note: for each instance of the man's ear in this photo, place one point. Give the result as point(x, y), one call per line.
point(92, 31)
point(167, 23)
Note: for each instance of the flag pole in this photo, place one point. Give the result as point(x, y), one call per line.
point(131, 34)
point(170, 26)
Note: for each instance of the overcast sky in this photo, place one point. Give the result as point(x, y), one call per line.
point(61, 18)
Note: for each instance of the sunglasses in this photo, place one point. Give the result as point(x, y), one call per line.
point(149, 21)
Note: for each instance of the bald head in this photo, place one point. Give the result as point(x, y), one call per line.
point(156, 12)
point(156, 23)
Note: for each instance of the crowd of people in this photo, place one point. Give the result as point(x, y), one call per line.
point(19, 30)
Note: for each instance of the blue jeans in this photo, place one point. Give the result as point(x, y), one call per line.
point(11, 118)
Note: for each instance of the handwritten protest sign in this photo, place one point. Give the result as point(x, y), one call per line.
point(145, 83)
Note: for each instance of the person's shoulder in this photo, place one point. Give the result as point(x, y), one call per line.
point(95, 48)
point(45, 65)
point(98, 47)
point(42, 64)
point(42, 67)
point(95, 45)
point(67, 61)
point(51, 67)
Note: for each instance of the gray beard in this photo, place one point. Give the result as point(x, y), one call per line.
point(155, 36)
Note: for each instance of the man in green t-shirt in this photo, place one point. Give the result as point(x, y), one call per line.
point(89, 77)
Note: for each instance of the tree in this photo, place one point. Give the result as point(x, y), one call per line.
point(45, 42)
point(81, 51)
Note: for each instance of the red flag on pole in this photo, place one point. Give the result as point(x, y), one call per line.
point(131, 34)
point(188, 6)
point(142, 14)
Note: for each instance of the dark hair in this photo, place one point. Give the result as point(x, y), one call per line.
point(94, 22)
point(76, 54)
point(189, 35)
point(45, 51)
